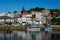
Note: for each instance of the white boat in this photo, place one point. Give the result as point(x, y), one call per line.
point(48, 29)
point(33, 28)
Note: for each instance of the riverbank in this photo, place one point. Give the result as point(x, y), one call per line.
point(12, 28)
point(55, 27)
point(24, 28)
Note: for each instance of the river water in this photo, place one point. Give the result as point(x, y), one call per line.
point(37, 35)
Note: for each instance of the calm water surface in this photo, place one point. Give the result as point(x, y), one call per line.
point(21, 35)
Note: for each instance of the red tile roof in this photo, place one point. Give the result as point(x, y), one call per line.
point(18, 16)
point(5, 17)
point(25, 12)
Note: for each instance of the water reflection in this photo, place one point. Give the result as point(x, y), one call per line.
point(34, 35)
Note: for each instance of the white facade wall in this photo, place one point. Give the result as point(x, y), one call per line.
point(10, 20)
point(7, 20)
point(26, 18)
point(19, 20)
point(46, 12)
point(33, 12)
point(23, 19)
point(29, 20)
point(29, 15)
point(43, 20)
point(1, 20)
point(38, 15)
point(10, 15)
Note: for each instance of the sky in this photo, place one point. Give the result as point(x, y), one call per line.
point(12, 5)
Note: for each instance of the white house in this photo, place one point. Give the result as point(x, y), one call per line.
point(18, 18)
point(6, 19)
point(27, 18)
point(10, 15)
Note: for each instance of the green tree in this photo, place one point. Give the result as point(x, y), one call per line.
point(9, 12)
point(15, 11)
point(36, 9)
point(54, 20)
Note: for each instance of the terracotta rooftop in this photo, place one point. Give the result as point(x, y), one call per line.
point(5, 17)
point(18, 16)
point(25, 12)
